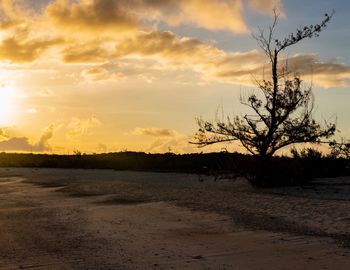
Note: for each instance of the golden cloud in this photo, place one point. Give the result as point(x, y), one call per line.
point(11, 10)
point(172, 51)
point(203, 57)
point(4, 25)
point(238, 67)
point(181, 50)
point(155, 132)
point(24, 145)
point(26, 50)
point(91, 16)
point(13, 13)
point(125, 15)
point(178, 144)
point(4, 133)
point(84, 53)
point(82, 127)
point(22, 45)
point(96, 74)
point(210, 14)
point(43, 143)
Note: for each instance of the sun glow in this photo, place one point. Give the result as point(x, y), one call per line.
point(8, 105)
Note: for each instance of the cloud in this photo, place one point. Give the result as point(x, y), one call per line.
point(138, 17)
point(189, 52)
point(91, 16)
point(7, 24)
point(119, 16)
point(84, 53)
point(163, 43)
point(166, 140)
point(43, 143)
point(176, 144)
point(173, 52)
point(4, 133)
point(96, 74)
point(266, 6)
point(22, 39)
point(23, 50)
point(192, 53)
point(23, 143)
point(326, 74)
point(128, 15)
point(82, 127)
point(12, 12)
point(16, 144)
point(210, 14)
point(308, 66)
point(237, 67)
point(155, 132)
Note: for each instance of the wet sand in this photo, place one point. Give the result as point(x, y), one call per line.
point(89, 219)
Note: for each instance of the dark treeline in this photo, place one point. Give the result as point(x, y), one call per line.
point(277, 170)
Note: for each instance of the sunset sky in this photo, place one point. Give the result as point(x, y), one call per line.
point(112, 75)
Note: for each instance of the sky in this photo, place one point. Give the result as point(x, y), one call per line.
point(114, 75)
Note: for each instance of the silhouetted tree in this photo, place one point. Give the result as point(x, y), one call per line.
point(282, 115)
point(340, 149)
point(310, 153)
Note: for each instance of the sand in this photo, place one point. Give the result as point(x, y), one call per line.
point(99, 219)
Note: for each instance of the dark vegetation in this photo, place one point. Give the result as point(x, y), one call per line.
point(278, 171)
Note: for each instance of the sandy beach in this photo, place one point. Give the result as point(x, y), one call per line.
point(104, 219)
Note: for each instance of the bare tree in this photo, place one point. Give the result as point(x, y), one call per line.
point(282, 114)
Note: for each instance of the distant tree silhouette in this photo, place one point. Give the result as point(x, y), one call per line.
point(282, 115)
point(340, 149)
point(310, 153)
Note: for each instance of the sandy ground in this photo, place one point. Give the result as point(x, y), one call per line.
point(89, 219)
